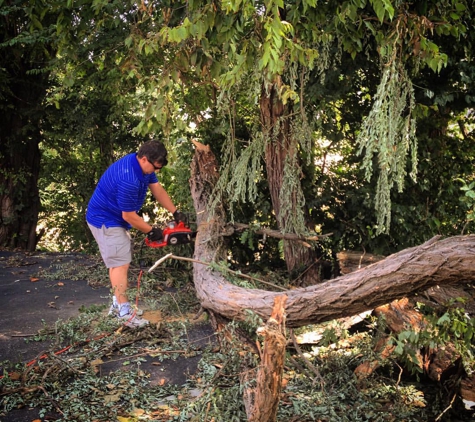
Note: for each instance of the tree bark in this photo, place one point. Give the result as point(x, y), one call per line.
point(22, 110)
point(437, 262)
point(282, 148)
point(262, 402)
point(20, 163)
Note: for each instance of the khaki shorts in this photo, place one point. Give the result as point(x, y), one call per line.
point(115, 245)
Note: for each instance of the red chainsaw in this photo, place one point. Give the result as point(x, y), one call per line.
point(173, 234)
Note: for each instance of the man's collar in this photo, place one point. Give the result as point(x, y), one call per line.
point(137, 169)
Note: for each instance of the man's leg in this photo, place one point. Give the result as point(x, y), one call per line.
point(116, 251)
point(118, 279)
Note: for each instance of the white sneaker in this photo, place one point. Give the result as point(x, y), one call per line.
point(131, 320)
point(114, 311)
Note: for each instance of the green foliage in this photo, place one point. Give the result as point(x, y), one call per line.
point(219, 375)
point(319, 382)
point(454, 327)
point(389, 134)
point(125, 73)
point(246, 172)
point(27, 48)
point(468, 200)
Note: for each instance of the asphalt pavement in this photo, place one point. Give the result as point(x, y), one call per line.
point(30, 302)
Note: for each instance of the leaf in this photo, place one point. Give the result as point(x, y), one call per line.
point(34, 279)
point(112, 398)
point(137, 412)
point(14, 376)
point(182, 33)
point(443, 319)
point(96, 362)
point(379, 9)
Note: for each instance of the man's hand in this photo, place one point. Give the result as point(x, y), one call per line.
point(155, 234)
point(179, 216)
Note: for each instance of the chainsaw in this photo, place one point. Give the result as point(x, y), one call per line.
point(173, 234)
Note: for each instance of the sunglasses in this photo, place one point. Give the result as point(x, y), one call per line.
point(155, 167)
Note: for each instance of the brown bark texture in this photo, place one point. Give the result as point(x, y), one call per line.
point(439, 261)
point(20, 136)
point(262, 402)
point(282, 145)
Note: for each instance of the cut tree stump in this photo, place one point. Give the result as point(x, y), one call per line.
point(399, 315)
point(262, 402)
point(350, 261)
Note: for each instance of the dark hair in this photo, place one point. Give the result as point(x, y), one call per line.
point(154, 151)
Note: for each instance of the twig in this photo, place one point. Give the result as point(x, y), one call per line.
point(296, 364)
point(31, 365)
point(307, 362)
point(207, 410)
point(256, 279)
point(400, 374)
point(77, 371)
point(164, 258)
point(277, 234)
point(200, 312)
point(22, 335)
point(304, 272)
point(22, 390)
point(149, 352)
point(58, 409)
point(181, 258)
point(446, 409)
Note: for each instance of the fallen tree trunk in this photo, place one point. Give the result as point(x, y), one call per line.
point(437, 262)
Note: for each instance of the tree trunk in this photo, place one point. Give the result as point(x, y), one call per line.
point(22, 110)
point(20, 164)
point(436, 262)
point(282, 148)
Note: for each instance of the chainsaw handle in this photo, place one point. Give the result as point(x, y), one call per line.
point(155, 244)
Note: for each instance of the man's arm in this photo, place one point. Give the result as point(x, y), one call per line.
point(161, 195)
point(136, 221)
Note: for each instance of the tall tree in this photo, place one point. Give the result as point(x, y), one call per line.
point(270, 48)
point(26, 49)
point(92, 122)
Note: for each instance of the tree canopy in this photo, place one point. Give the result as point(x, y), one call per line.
point(346, 117)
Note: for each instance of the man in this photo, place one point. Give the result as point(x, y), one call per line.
point(112, 211)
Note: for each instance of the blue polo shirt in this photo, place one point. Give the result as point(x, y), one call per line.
point(122, 187)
